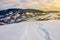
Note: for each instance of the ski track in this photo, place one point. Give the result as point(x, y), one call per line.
point(26, 31)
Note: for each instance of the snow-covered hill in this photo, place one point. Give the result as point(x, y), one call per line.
point(31, 30)
point(15, 15)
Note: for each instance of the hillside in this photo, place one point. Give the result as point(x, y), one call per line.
point(29, 30)
point(16, 15)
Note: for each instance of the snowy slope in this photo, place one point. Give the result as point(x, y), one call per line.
point(31, 30)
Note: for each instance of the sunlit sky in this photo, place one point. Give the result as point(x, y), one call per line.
point(37, 4)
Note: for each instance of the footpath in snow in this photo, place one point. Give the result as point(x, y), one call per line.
point(33, 30)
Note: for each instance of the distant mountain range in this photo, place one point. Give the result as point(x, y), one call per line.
point(7, 15)
point(15, 15)
point(21, 11)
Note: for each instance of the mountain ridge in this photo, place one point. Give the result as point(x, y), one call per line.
point(15, 15)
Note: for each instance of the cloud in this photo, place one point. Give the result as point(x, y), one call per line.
point(42, 4)
point(9, 3)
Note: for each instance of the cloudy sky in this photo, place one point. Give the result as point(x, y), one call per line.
point(38, 4)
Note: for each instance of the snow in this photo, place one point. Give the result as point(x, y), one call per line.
point(31, 30)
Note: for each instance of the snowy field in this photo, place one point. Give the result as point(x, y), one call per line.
point(31, 30)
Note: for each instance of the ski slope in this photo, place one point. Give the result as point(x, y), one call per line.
point(31, 30)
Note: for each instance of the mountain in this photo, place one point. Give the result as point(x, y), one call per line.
point(14, 15)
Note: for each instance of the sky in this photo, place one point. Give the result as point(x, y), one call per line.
point(35, 4)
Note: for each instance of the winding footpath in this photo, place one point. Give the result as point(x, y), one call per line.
point(25, 31)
